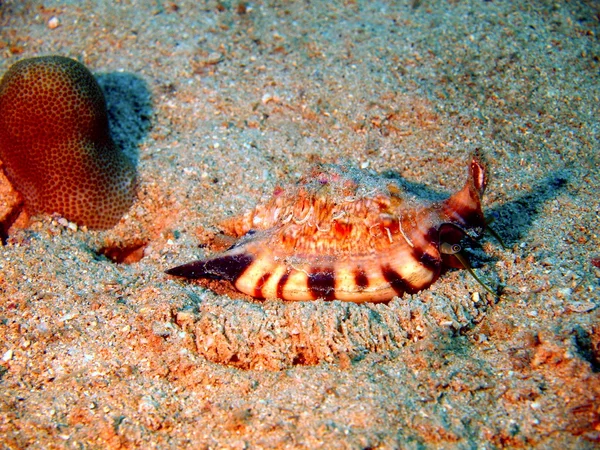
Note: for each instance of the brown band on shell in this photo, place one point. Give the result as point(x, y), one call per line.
point(260, 284)
point(398, 284)
point(428, 260)
point(281, 285)
point(361, 279)
point(321, 283)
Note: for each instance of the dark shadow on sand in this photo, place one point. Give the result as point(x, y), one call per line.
point(130, 110)
point(512, 219)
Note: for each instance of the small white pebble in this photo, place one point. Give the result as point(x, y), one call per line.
point(68, 317)
point(53, 23)
point(564, 292)
point(7, 355)
point(214, 58)
point(267, 98)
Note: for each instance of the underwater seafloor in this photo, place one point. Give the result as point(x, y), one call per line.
point(220, 102)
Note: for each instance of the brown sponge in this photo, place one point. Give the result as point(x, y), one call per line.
point(55, 144)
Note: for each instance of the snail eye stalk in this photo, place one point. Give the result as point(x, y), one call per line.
point(450, 249)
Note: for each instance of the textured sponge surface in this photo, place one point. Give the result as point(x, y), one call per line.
point(55, 144)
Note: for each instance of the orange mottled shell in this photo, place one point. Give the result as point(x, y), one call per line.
point(333, 211)
point(342, 235)
point(55, 144)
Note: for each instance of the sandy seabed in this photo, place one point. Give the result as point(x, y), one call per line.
point(221, 102)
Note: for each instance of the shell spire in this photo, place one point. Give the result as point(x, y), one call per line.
point(464, 207)
point(339, 235)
